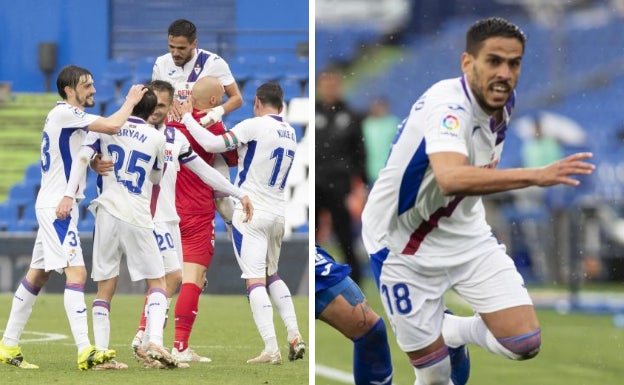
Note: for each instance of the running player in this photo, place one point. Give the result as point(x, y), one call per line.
point(57, 246)
point(424, 224)
point(339, 302)
point(266, 149)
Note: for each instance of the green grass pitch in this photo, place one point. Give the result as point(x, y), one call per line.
point(224, 330)
point(579, 349)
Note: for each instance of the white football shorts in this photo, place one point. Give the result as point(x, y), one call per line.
point(257, 244)
point(413, 296)
point(170, 244)
point(113, 238)
point(58, 243)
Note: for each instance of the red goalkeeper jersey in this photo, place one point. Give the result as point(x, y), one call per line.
point(193, 196)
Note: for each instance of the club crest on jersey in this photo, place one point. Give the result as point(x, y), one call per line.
point(197, 69)
point(450, 125)
point(78, 112)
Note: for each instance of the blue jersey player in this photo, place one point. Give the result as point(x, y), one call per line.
point(341, 304)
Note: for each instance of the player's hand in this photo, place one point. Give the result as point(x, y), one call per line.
point(561, 171)
point(64, 207)
point(101, 166)
point(213, 115)
point(247, 208)
point(135, 94)
point(175, 112)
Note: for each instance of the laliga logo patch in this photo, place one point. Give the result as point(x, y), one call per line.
point(450, 122)
point(78, 112)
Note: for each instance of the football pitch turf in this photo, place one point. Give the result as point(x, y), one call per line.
point(577, 349)
point(224, 331)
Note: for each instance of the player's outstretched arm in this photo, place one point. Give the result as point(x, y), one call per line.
point(455, 176)
point(113, 123)
point(77, 173)
point(212, 177)
point(205, 138)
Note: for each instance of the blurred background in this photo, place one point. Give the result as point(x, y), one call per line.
point(568, 243)
point(118, 41)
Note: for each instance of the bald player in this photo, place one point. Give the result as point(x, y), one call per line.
point(196, 208)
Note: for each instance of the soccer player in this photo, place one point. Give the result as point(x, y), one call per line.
point(195, 205)
point(166, 220)
point(123, 222)
point(57, 246)
point(339, 302)
point(266, 149)
point(424, 224)
point(185, 64)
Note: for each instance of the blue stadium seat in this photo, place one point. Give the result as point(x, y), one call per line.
point(33, 173)
point(118, 70)
point(292, 89)
point(22, 194)
point(143, 70)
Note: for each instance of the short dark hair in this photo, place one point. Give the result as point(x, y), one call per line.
point(161, 86)
point(271, 94)
point(70, 76)
point(146, 106)
point(183, 27)
point(491, 27)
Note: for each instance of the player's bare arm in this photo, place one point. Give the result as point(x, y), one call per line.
point(208, 141)
point(455, 176)
point(235, 99)
point(78, 170)
point(111, 125)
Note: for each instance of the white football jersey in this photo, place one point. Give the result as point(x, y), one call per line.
point(136, 150)
point(204, 63)
point(406, 211)
point(264, 160)
point(175, 144)
point(65, 129)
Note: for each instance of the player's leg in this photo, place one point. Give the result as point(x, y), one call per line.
point(168, 238)
point(413, 301)
point(197, 255)
point(250, 242)
point(21, 308)
point(506, 323)
point(344, 307)
point(280, 294)
point(144, 263)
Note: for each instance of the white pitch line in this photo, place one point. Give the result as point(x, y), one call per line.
point(334, 374)
point(43, 337)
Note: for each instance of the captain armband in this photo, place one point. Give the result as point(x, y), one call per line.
point(230, 140)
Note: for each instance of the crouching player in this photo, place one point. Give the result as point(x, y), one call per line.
point(341, 304)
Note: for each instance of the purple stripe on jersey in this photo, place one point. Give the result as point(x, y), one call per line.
point(65, 148)
point(251, 150)
point(32, 289)
point(187, 159)
point(427, 226)
point(136, 120)
point(202, 58)
point(277, 117)
point(101, 303)
point(412, 178)
point(465, 87)
point(75, 287)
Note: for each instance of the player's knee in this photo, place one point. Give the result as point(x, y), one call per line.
point(376, 334)
point(523, 347)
